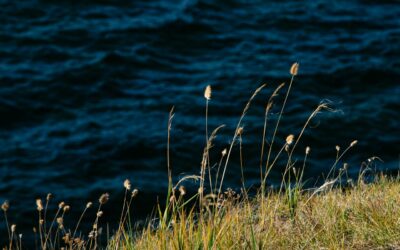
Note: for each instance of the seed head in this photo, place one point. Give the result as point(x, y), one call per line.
point(61, 205)
point(224, 152)
point(337, 148)
point(207, 92)
point(182, 190)
point(39, 204)
point(127, 184)
point(49, 196)
point(289, 139)
point(353, 143)
point(5, 206)
point(13, 228)
point(200, 190)
point(294, 69)
point(135, 193)
point(239, 131)
point(104, 198)
point(60, 220)
point(99, 213)
point(308, 149)
point(89, 204)
point(66, 208)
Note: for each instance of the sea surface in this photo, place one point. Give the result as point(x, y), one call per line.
point(86, 88)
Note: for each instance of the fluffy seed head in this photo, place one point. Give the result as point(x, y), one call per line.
point(5, 206)
point(239, 131)
point(207, 92)
point(337, 148)
point(99, 213)
point(60, 220)
point(224, 152)
point(294, 69)
point(39, 204)
point(308, 149)
point(66, 208)
point(182, 190)
point(89, 204)
point(345, 166)
point(49, 196)
point(13, 228)
point(127, 184)
point(353, 143)
point(135, 192)
point(289, 139)
point(104, 198)
point(61, 205)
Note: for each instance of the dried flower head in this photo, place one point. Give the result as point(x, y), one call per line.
point(308, 149)
point(239, 131)
point(13, 228)
point(5, 206)
point(289, 139)
point(89, 204)
point(61, 205)
point(353, 143)
point(66, 208)
point(66, 238)
point(135, 192)
point(224, 152)
point(99, 213)
point(182, 190)
point(207, 92)
point(60, 220)
point(39, 204)
point(104, 198)
point(337, 148)
point(172, 199)
point(127, 184)
point(345, 166)
point(294, 70)
point(41, 221)
point(200, 190)
point(49, 196)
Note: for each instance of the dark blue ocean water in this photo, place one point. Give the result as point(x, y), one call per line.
point(86, 87)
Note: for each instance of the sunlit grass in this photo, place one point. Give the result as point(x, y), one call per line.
point(362, 217)
point(339, 214)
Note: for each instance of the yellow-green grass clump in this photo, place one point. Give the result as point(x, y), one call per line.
point(362, 217)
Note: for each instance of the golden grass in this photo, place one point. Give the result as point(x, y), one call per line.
point(363, 217)
point(359, 216)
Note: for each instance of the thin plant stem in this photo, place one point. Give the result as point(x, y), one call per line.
point(277, 123)
point(79, 221)
point(7, 225)
point(235, 135)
